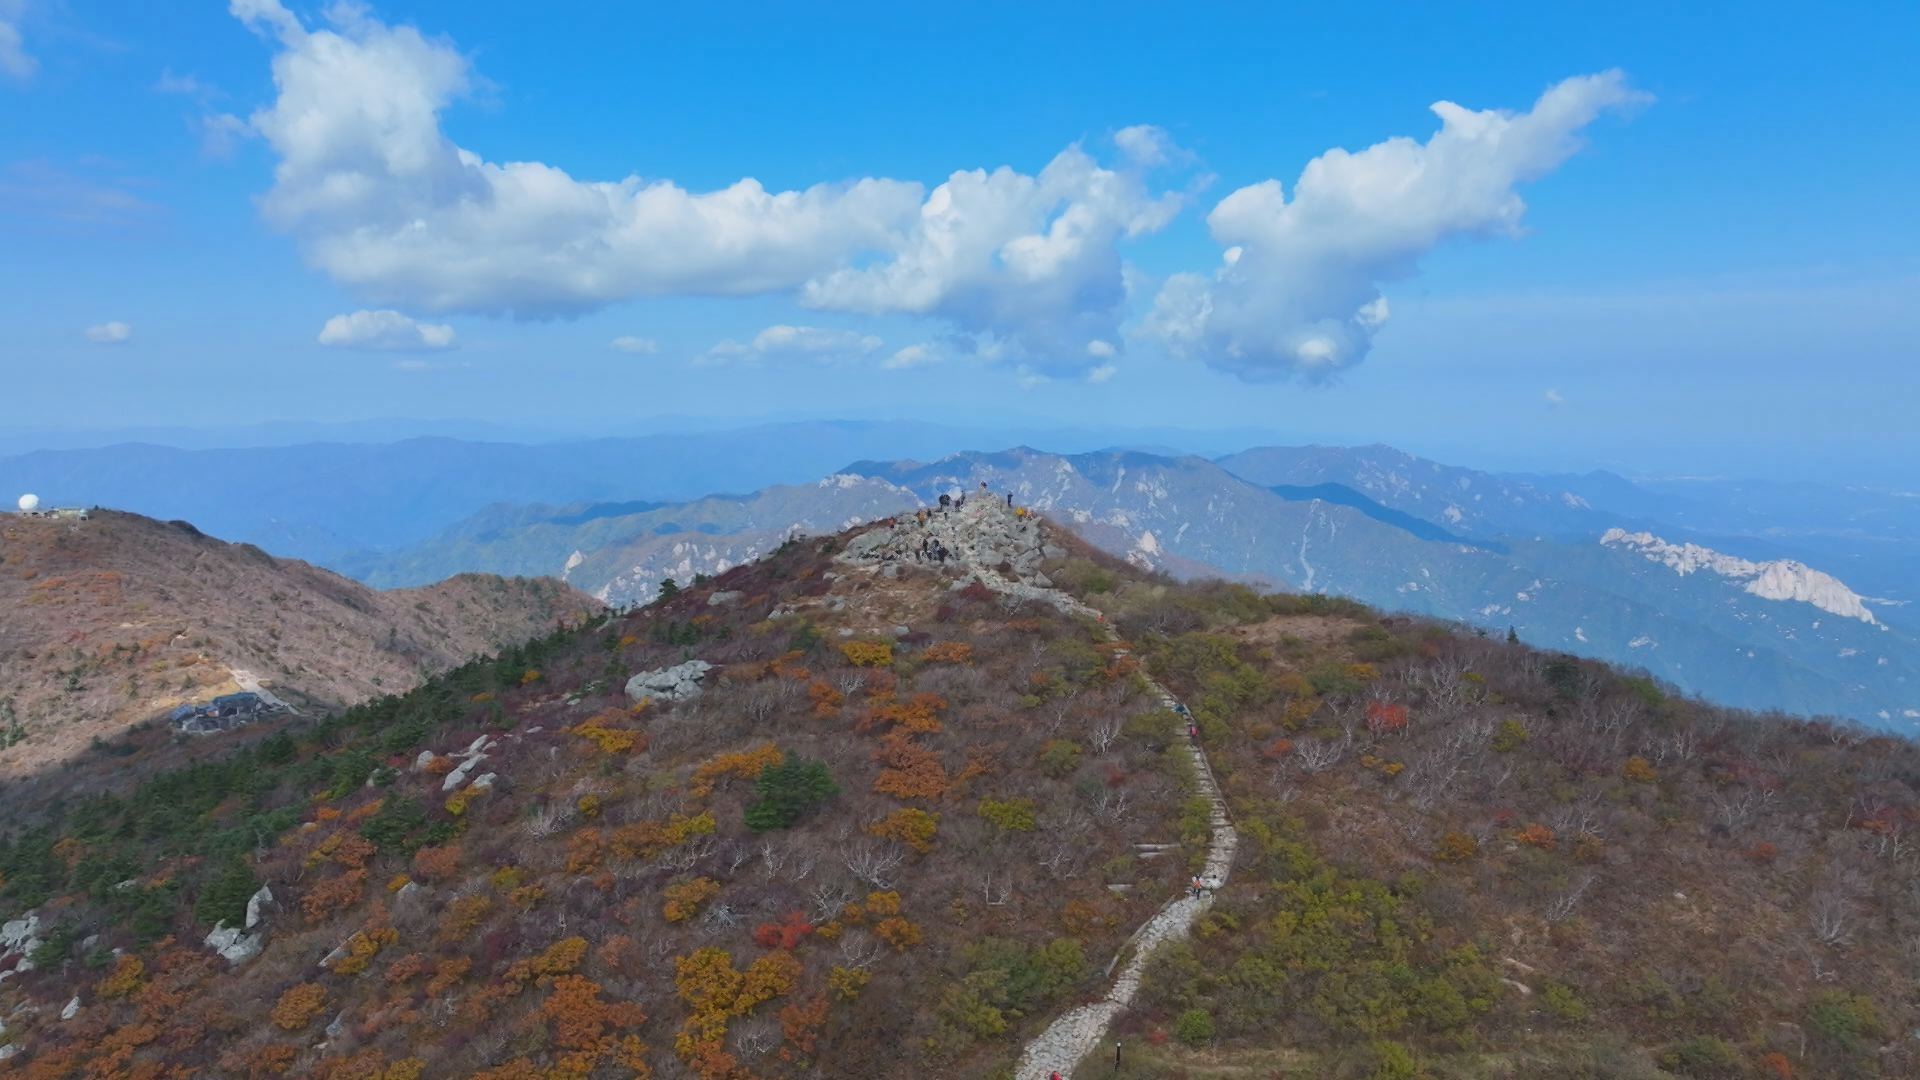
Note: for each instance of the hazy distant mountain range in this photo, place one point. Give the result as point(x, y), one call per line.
point(1786, 596)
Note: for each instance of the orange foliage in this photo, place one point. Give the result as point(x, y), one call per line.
point(1536, 835)
point(800, 1024)
point(437, 863)
point(909, 771)
point(584, 849)
point(1639, 770)
point(919, 714)
point(1776, 1064)
point(441, 765)
point(746, 764)
point(826, 700)
point(407, 968)
point(1456, 847)
point(898, 933)
point(910, 826)
point(447, 974)
point(560, 958)
point(334, 895)
point(1277, 750)
point(948, 652)
point(645, 839)
point(298, 1006)
point(580, 1021)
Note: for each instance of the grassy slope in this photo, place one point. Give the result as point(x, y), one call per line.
point(1551, 870)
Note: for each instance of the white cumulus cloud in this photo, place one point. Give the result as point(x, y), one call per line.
point(1554, 397)
point(110, 333)
point(638, 346)
point(1102, 373)
point(1032, 261)
point(1297, 289)
point(911, 356)
point(384, 202)
point(385, 331)
point(14, 59)
point(785, 342)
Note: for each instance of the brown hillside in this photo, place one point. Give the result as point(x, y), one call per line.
point(115, 619)
point(913, 819)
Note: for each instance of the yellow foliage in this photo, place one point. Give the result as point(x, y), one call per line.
point(683, 899)
point(362, 947)
point(1639, 770)
point(127, 975)
point(868, 653)
point(611, 740)
point(847, 982)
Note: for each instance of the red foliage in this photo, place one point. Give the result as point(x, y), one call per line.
point(785, 934)
point(1385, 717)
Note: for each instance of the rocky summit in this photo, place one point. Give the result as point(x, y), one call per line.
point(988, 535)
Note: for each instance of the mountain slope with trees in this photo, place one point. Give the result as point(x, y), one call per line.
point(113, 620)
point(907, 820)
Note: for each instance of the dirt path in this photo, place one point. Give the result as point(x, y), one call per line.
point(985, 538)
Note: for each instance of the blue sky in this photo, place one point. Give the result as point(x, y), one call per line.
point(1699, 254)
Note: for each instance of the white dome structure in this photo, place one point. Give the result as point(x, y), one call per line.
point(29, 503)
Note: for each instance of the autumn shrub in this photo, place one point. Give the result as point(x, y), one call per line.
point(1705, 1057)
point(599, 730)
point(745, 765)
point(909, 770)
point(1510, 736)
point(787, 792)
point(948, 652)
point(1059, 757)
point(436, 863)
point(298, 1006)
point(129, 974)
point(1194, 1027)
point(1010, 815)
point(646, 839)
point(785, 934)
point(683, 899)
point(1536, 835)
point(897, 932)
point(1456, 846)
point(333, 895)
point(1385, 718)
point(846, 983)
point(1639, 770)
point(868, 653)
point(910, 826)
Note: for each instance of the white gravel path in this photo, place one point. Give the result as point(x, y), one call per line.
point(1079, 1031)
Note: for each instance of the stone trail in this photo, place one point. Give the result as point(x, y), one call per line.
point(983, 536)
